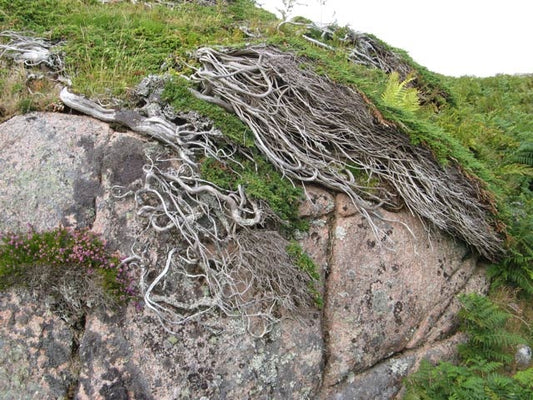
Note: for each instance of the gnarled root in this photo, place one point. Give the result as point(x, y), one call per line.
point(314, 130)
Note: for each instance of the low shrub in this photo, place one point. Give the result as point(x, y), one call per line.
point(74, 266)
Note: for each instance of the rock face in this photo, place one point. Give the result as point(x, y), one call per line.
point(35, 350)
point(385, 308)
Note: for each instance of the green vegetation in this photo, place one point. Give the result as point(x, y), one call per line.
point(486, 368)
point(262, 182)
point(399, 94)
point(493, 120)
point(40, 259)
point(110, 48)
point(178, 95)
point(306, 264)
point(258, 177)
point(484, 125)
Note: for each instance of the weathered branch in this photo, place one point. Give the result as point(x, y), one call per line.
point(31, 51)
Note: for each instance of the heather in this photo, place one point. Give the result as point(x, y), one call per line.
point(43, 259)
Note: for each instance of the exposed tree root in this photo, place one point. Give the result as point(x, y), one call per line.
point(311, 130)
point(217, 260)
point(33, 52)
point(368, 51)
point(314, 130)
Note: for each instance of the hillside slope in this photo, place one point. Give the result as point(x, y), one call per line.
point(256, 108)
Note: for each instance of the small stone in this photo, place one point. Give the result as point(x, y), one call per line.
point(523, 357)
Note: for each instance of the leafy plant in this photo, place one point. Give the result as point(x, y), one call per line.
point(481, 371)
point(399, 95)
point(37, 259)
point(516, 269)
point(524, 153)
point(485, 324)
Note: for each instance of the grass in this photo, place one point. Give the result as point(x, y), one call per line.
point(17, 94)
point(110, 48)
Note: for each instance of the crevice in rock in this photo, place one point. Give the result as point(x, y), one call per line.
point(444, 335)
point(332, 221)
point(404, 353)
point(400, 364)
point(78, 330)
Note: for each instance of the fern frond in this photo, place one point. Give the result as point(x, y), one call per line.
point(479, 312)
point(399, 95)
point(525, 378)
point(483, 366)
point(485, 322)
point(517, 168)
point(524, 154)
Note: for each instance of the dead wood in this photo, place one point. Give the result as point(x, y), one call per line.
point(312, 129)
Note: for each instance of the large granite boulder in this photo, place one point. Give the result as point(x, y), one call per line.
point(386, 307)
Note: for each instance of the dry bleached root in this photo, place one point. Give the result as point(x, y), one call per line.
point(368, 51)
point(30, 50)
point(33, 52)
point(313, 130)
point(217, 260)
point(363, 49)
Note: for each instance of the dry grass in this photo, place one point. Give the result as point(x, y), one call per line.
point(23, 90)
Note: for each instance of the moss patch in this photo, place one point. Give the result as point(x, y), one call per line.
point(306, 264)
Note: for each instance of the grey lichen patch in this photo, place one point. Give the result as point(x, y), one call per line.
point(125, 159)
point(82, 211)
point(340, 233)
point(399, 367)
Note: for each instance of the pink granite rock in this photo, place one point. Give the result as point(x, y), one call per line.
point(318, 202)
point(50, 170)
point(382, 300)
point(35, 349)
point(385, 306)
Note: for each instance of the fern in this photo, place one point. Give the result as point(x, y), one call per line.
point(524, 154)
point(516, 269)
point(479, 375)
point(484, 322)
point(525, 378)
point(399, 95)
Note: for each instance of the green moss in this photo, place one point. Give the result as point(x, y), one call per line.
point(178, 95)
point(261, 182)
point(306, 264)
